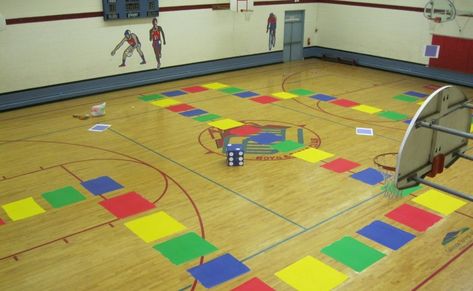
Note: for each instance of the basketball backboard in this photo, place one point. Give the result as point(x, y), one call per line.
point(440, 10)
point(242, 5)
point(436, 137)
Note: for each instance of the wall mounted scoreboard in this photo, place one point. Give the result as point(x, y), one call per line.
point(124, 9)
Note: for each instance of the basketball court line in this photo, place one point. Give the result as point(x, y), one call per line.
point(443, 267)
point(209, 180)
point(134, 160)
point(331, 121)
point(243, 76)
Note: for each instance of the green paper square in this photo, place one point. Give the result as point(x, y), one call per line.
point(302, 92)
point(393, 115)
point(185, 248)
point(406, 98)
point(353, 253)
point(405, 192)
point(231, 90)
point(62, 197)
point(207, 117)
point(151, 97)
point(287, 146)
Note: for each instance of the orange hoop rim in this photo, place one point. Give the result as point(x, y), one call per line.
point(378, 162)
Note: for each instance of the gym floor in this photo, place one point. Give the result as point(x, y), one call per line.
point(291, 214)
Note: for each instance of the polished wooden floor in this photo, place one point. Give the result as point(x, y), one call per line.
point(270, 213)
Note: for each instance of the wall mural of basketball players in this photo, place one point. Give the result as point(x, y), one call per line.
point(133, 44)
point(156, 33)
point(271, 28)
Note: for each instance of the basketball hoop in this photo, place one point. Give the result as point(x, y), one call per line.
point(386, 163)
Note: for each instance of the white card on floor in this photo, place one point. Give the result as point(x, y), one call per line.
point(99, 127)
point(364, 131)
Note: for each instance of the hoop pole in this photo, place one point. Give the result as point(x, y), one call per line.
point(468, 105)
point(465, 156)
point(443, 188)
point(445, 129)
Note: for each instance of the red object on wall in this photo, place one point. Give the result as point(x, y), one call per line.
point(456, 54)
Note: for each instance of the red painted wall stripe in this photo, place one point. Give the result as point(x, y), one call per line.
point(33, 19)
point(456, 54)
point(53, 17)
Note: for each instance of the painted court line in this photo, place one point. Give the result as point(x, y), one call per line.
point(210, 180)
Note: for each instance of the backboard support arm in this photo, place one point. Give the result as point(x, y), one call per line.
point(445, 129)
point(443, 188)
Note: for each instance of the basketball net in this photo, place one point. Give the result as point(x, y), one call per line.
point(386, 163)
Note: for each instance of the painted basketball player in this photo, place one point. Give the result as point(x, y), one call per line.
point(271, 28)
point(155, 35)
point(133, 43)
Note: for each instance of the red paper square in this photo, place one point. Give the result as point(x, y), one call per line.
point(195, 89)
point(345, 102)
point(244, 130)
point(127, 205)
point(413, 217)
point(340, 165)
point(254, 284)
point(1, 221)
point(265, 99)
point(180, 107)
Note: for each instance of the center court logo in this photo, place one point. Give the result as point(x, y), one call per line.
point(258, 139)
point(451, 236)
point(457, 239)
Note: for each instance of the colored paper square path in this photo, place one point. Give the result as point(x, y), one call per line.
point(439, 202)
point(386, 234)
point(353, 253)
point(311, 274)
point(22, 209)
point(225, 124)
point(62, 197)
point(254, 284)
point(185, 248)
point(218, 270)
point(154, 226)
point(312, 155)
point(127, 205)
point(413, 217)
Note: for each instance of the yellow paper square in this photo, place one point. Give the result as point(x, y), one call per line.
point(311, 274)
point(155, 226)
point(312, 155)
point(23, 208)
point(225, 123)
point(284, 95)
point(439, 201)
point(367, 109)
point(420, 102)
point(166, 102)
point(215, 86)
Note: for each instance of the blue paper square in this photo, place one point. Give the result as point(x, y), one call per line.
point(174, 93)
point(101, 185)
point(415, 94)
point(266, 138)
point(194, 112)
point(386, 234)
point(322, 97)
point(432, 51)
point(218, 270)
point(369, 176)
point(246, 94)
point(407, 121)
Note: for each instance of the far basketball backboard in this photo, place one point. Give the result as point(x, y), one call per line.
point(436, 137)
point(242, 5)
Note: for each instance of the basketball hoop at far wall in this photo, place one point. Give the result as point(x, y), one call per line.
point(386, 163)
